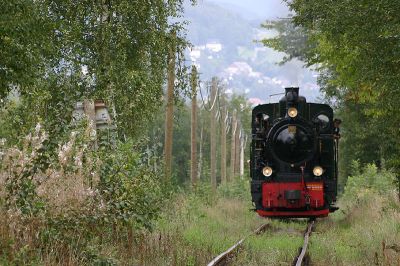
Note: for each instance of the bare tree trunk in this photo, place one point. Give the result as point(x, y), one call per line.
point(242, 146)
point(233, 146)
point(169, 115)
point(237, 147)
point(193, 155)
point(223, 140)
point(213, 150)
point(200, 154)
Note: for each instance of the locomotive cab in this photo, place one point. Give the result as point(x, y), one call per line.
point(293, 158)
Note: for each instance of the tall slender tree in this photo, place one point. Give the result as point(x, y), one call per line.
point(193, 154)
point(243, 142)
point(237, 147)
point(224, 115)
point(234, 128)
point(169, 115)
point(213, 134)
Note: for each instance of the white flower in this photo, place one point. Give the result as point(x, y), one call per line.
point(3, 141)
point(37, 128)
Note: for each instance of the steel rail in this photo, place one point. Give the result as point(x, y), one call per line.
point(221, 257)
point(307, 234)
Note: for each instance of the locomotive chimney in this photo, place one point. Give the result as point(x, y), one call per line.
point(292, 96)
point(292, 89)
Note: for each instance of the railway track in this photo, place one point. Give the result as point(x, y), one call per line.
point(300, 259)
point(224, 257)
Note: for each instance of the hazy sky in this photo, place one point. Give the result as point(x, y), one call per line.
point(257, 9)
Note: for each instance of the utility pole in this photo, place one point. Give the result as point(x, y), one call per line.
point(200, 165)
point(213, 150)
point(243, 142)
point(237, 147)
point(169, 114)
point(223, 138)
point(193, 154)
point(233, 146)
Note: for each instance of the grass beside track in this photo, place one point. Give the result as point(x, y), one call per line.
point(367, 234)
point(365, 231)
point(277, 246)
point(195, 232)
point(196, 227)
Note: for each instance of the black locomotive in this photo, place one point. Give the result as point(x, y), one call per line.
point(293, 160)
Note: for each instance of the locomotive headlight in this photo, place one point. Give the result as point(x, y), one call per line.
point(292, 112)
point(318, 171)
point(267, 171)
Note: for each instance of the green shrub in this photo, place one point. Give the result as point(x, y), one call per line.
point(80, 199)
point(130, 192)
point(368, 180)
point(239, 188)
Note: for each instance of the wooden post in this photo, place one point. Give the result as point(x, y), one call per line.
point(233, 146)
point(193, 154)
point(213, 151)
point(223, 139)
point(169, 114)
point(237, 147)
point(242, 147)
point(200, 165)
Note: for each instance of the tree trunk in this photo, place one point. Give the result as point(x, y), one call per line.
point(169, 115)
point(193, 155)
point(223, 140)
point(242, 147)
point(233, 146)
point(213, 151)
point(200, 154)
point(237, 147)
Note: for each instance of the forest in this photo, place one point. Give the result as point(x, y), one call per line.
point(114, 151)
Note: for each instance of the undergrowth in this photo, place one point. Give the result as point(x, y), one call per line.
point(87, 203)
point(76, 207)
point(366, 229)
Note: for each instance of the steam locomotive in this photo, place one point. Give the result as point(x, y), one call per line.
point(294, 158)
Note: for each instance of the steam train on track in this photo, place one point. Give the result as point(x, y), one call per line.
point(294, 158)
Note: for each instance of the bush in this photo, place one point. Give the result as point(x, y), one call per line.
point(129, 191)
point(368, 181)
point(239, 188)
point(47, 203)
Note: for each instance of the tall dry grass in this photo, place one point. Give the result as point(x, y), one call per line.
point(366, 229)
point(35, 189)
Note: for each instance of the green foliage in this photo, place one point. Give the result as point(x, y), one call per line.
point(290, 39)
point(239, 188)
point(369, 180)
point(68, 51)
point(25, 42)
point(129, 190)
point(111, 190)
